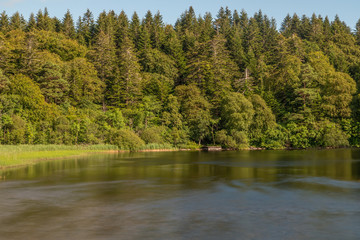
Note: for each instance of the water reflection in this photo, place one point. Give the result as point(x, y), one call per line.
point(185, 195)
point(268, 166)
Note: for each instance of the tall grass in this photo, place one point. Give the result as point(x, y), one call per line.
point(157, 146)
point(32, 148)
point(15, 155)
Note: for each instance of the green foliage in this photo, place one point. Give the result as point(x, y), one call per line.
point(196, 111)
point(225, 140)
point(237, 112)
point(57, 43)
point(299, 135)
point(154, 135)
point(154, 61)
point(263, 121)
point(233, 80)
point(332, 135)
point(85, 86)
point(125, 140)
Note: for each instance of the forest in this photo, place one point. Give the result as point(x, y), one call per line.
point(233, 80)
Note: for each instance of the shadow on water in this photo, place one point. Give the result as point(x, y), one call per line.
point(312, 194)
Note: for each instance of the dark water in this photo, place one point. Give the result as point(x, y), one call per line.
point(186, 195)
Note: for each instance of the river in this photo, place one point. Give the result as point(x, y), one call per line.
point(312, 194)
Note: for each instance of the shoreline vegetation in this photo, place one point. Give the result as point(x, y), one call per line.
point(230, 80)
point(23, 155)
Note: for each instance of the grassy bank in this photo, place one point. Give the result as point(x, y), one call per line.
point(18, 155)
point(21, 155)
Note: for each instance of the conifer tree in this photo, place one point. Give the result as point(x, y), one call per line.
point(173, 48)
point(205, 28)
point(186, 27)
point(316, 34)
point(17, 21)
point(86, 28)
point(67, 25)
point(103, 56)
point(357, 33)
point(134, 29)
point(126, 88)
point(4, 22)
point(31, 24)
point(157, 31)
point(122, 28)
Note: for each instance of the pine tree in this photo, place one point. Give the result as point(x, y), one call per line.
point(43, 21)
point(316, 34)
point(126, 90)
point(67, 26)
point(4, 22)
point(31, 25)
point(157, 31)
point(106, 23)
point(134, 30)
point(358, 32)
point(223, 68)
point(223, 22)
point(187, 27)
point(86, 27)
point(205, 28)
point(104, 58)
point(17, 21)
point(253, 39)
point(144, 42)
point(58, 26)
point(235, 45)
point(173, 48)
point(122, 28)
point(305, 28)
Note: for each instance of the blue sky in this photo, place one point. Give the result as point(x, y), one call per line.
point(348, 10)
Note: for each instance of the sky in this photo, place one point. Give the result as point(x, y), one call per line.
point(348, 10)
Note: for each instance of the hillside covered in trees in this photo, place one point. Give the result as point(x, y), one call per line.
point(231, 80)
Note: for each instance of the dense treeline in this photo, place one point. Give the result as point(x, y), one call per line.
point(231, 80)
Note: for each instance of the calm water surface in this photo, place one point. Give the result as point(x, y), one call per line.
point(186, 195)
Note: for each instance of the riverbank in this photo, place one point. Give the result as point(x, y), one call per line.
point(22, 155)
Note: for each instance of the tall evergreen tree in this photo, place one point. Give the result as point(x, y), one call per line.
point(4, 22)
point(31, 24)
point(157, 31)
point(134, 29)
point(122, 28)
point(86, 28)
point(17, 21)
point(126, 89)
point(104, 59)
point(67, 26)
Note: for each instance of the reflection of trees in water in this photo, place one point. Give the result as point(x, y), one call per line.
point(193, 169)
point(355, 165)
point(356, 170)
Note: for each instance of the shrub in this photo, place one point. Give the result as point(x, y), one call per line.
point(125, 139)
point(333, 136)
point(153, 135)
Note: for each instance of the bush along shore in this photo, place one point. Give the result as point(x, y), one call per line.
point(137, 83)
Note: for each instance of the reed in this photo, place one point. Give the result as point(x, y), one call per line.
point(15, 155)
point(157, 146)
